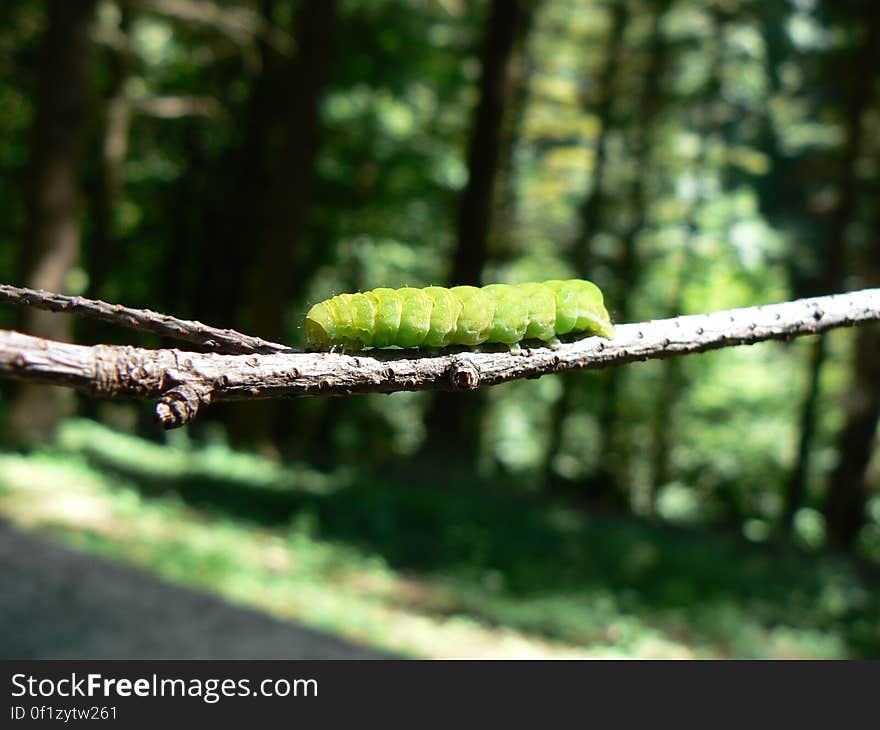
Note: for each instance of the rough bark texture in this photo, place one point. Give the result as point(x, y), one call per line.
point(53, 227)
point(184, 382)
point(220, 340)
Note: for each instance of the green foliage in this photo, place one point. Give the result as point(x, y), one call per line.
point(464, 567)
point(716, 154)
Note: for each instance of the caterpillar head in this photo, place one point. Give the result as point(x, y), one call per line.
point(320, 327)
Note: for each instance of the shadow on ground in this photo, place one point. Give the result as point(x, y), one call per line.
point(551, 561)
point(59, 604)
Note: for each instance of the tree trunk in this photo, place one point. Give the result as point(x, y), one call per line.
point(503, 238)
point(454, 420)
point(52, 235)
point(602, 484)
point(796, 488)
point(671, 380)
point(287, 109)
point(864, 67)
point(279, 208)
point(591, 211)
point(506, 29)
point(101, 245)
point(113, 152)
point(845, 508)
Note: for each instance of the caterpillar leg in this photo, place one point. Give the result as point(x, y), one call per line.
point(554, 344)
point(515, 349)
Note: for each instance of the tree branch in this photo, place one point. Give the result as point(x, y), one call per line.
point(185, 382)
point(220, 340)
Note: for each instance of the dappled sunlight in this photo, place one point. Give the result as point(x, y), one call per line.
point(540, 584)
point(288, 574)
point(237, 163)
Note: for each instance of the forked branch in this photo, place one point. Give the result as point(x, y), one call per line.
point(185, 382)
point(220, 340)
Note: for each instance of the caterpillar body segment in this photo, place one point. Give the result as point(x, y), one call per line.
point(463, 315)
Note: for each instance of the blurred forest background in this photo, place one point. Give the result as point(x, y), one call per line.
point(234, 162)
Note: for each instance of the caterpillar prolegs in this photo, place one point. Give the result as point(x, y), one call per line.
point(463, 315)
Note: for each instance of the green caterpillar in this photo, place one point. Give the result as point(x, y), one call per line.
point(464, 315)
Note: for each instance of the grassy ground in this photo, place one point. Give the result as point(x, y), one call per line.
point(469, 571)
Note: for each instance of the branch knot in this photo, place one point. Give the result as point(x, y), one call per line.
point(122, 370)
point(182, 404)
point(463, 374)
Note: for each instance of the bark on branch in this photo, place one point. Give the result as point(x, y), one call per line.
point(220, 340)
point(185, 382)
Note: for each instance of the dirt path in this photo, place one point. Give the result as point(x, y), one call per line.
point(59, 604)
